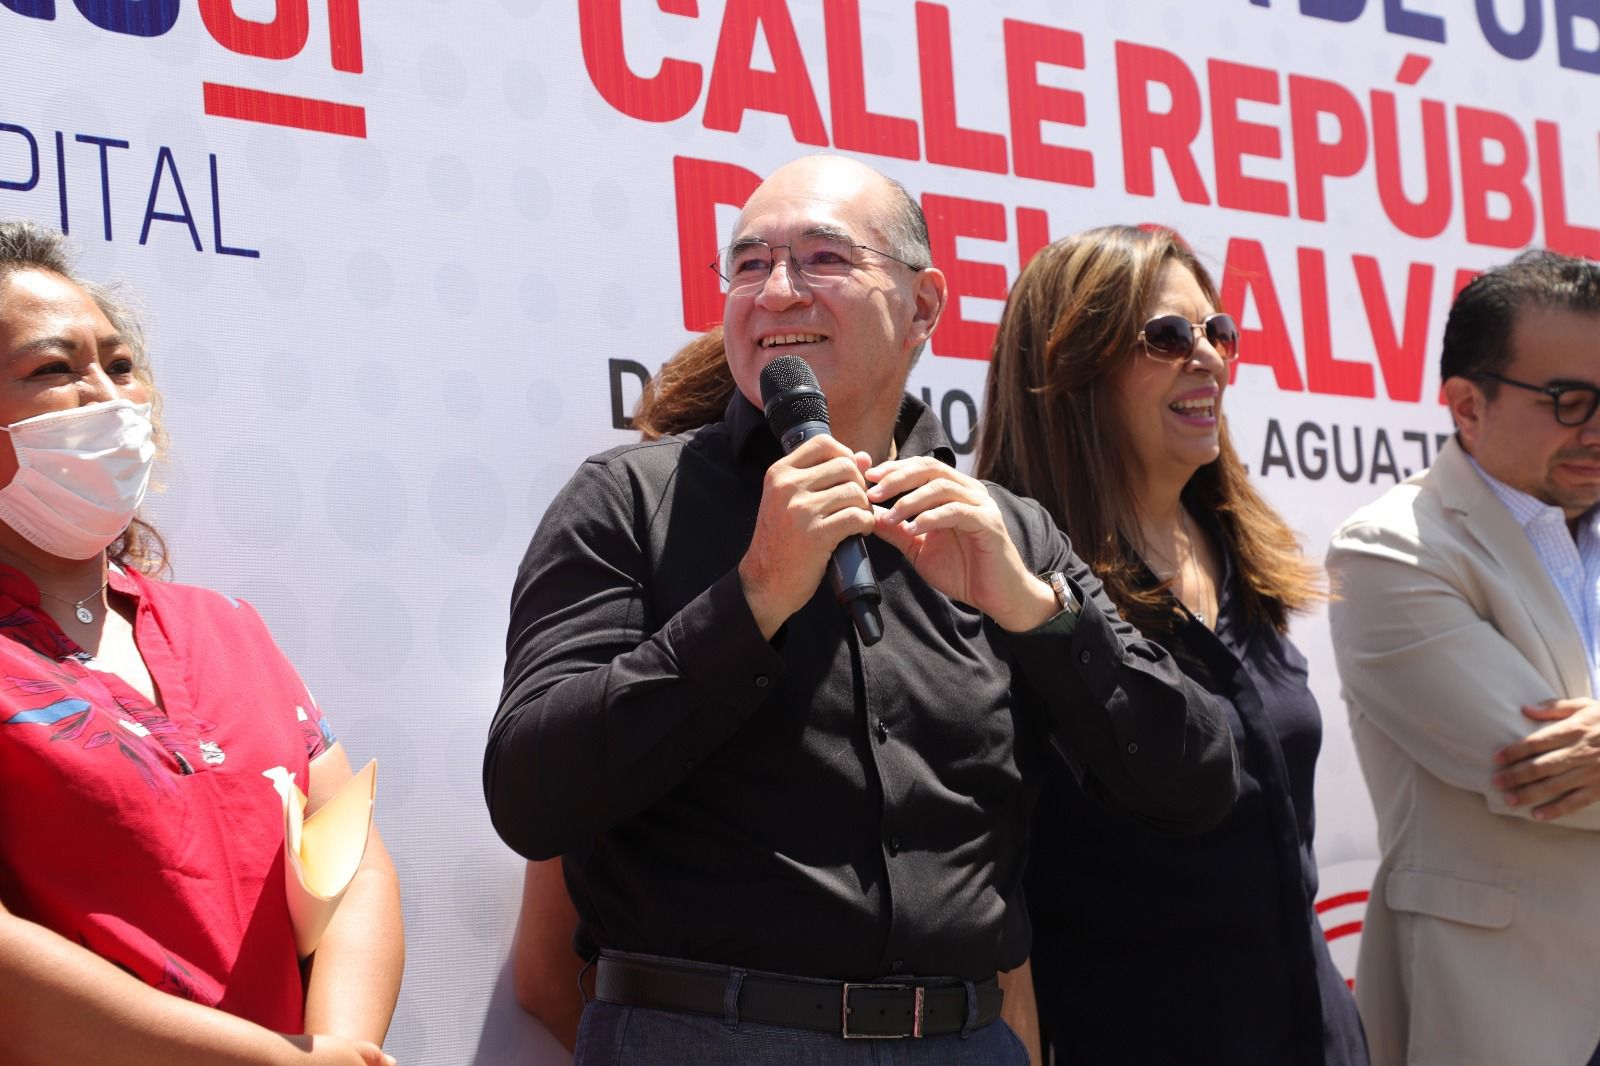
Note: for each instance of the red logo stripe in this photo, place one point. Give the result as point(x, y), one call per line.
point(1347, 929)
point(255, 105)
point(1344, 899)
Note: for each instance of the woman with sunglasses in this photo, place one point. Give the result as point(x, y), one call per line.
point(1104, 403)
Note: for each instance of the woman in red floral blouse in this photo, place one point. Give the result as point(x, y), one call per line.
point(143, 916)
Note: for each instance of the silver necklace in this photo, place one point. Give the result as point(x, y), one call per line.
point(1183, 513)
point(82, 612)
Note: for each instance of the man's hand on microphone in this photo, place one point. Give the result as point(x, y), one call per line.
point(953, 534)
point(811, 499)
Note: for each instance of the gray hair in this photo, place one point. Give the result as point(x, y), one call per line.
point(27, 246)
point(907, 228)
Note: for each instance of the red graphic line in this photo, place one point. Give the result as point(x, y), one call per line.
point(1347, 929)
point(254, 105)
point(1412, 68)
point(1342, 900)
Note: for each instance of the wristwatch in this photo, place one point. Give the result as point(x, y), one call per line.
point(1064, 596)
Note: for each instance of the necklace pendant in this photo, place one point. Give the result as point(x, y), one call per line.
point(84, 614)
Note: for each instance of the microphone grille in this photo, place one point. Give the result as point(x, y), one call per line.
point(790, 394)
point(784, 373)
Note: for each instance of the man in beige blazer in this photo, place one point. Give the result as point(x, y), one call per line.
point(1465, 630)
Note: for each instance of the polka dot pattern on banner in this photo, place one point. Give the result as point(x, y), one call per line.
point(616, 303)
point(245, 479)
point(181, 266)
point(370, 659)
point(363, 172)
point(536, 294)
point(376, 388)
point(471, 630)
point(364, 501)
point(286, 380)
point(486, 924)
point(274, 157)
point(530, 194)
point(442, 76)
point(455, 288)
point(461, 395)
point(524, 90)
point(547, 480)
point(287, 278)
point(192, 370)
point(370, 279)
point(283, 608)
point(449, 183)
point(544, 401)
point(466, 501)
point(609, 204)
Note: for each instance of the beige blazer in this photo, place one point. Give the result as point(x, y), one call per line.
point(1482, 937)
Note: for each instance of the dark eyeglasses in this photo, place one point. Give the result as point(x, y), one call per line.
point(1573, 405)
point(1172, 337)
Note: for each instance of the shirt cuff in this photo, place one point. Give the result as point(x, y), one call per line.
point(720, 649)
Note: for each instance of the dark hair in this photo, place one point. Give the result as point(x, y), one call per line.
point(690, 390)
point(1050, 429)
point(1477, 335)
point(26, 246)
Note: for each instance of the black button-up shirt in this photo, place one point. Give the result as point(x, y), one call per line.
point(808, 805)
point(1205, 949)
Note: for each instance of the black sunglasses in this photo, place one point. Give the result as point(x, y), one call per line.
point(1172, 337)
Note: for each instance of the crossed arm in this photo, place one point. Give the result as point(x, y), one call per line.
point(1421, 656)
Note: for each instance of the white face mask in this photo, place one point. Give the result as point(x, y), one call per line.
point(81, 474)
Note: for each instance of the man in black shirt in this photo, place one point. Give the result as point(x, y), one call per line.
point(756, 812)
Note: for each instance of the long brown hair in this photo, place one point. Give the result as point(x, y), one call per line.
point(1051, 431)
point(690, 390)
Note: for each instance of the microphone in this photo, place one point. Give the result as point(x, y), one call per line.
point(797, 411)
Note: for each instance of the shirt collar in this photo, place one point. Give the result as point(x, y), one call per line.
point(17, 586)
point(1528, 509)
point(916, 431)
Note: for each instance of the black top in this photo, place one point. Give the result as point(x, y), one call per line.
point(1206, 949)
point(807, 806)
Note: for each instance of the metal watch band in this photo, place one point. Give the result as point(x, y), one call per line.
point(1064, 594)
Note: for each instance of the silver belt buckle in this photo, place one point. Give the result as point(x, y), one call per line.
point(845, 1010)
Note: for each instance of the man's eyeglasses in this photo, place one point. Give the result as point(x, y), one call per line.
point(1573, 405)
point(1172, 337)
point(820, 260)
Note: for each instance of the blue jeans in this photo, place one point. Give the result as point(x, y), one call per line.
point(610, 1035)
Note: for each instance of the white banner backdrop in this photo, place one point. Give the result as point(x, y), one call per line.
point(405, 264)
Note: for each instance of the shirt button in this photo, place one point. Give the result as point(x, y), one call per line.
point(762, 680)
point(1133, 749)
point(1083, 657)
point(883, 732)
point(897, 965)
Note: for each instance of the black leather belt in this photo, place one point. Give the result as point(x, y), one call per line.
point(873, 1010)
